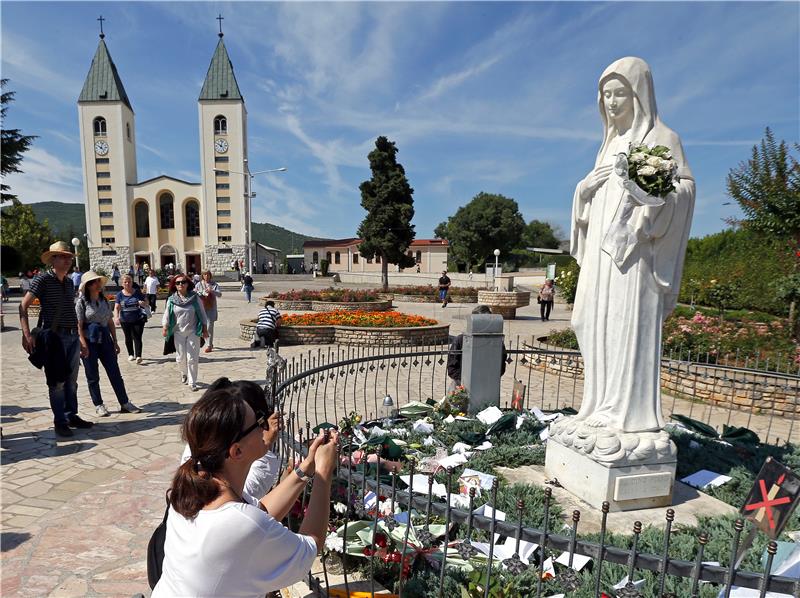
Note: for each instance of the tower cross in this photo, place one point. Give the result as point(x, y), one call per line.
point(101, 19)
point(220, 18)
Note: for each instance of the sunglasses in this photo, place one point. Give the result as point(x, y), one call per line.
point(261, 422)
point(182, 282)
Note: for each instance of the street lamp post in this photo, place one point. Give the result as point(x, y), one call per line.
point(75, 243)
point(494, 273)
point(248, 178)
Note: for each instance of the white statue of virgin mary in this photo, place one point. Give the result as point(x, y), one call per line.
point(631, 256)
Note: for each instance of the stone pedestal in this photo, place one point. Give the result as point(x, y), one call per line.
point(504, 303)
point(482, 360)
point(629, 470)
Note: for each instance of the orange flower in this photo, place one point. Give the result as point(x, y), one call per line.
point(360, 319)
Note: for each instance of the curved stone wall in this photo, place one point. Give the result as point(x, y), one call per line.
point(292, 305)
point(425, 298)
point(504, 303)
point(350, 335)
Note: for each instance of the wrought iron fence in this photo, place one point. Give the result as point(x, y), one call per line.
point(327, 385)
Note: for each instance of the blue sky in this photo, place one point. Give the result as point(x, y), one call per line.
point(495, 97)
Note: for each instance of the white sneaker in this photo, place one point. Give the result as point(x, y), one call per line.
point(139, 360)
point(184, 379)
point(194, 387)
point(129, 408)
point(101, 411)
point(131, 358)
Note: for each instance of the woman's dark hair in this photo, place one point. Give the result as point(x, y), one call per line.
point(249, 391)
point(100, 297)
point(210, 429)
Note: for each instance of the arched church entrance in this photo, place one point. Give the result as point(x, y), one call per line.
point(168, 255)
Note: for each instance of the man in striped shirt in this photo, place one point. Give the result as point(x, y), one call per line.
point(269, 320)
point(58, 326)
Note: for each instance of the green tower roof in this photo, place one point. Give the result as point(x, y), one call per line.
point(220, 83)
point(103, 83)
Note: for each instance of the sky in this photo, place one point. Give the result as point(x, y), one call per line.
point(494, 97)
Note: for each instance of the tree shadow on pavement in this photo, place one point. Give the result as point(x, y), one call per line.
point(10, 540)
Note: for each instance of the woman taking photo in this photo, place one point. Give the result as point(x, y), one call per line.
point(98, 338)
point(220, 541)
point(128, 313)
point(209, 292)
point(185, 320)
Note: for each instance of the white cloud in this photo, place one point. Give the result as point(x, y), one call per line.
point(448, 82)
point(47, 178)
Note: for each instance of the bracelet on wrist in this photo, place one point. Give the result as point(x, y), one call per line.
point(303, 475)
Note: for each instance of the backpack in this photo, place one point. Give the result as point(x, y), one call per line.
point(155, 551)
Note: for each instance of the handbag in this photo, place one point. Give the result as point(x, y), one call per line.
point(538, 299)
point(155, 551)
point(169, 345)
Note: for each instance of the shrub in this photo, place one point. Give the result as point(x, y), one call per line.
point(431, 291)
point(567, 281)
point(563, 338)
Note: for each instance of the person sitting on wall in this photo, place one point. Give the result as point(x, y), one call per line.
point(454, 357)
point(269, 320)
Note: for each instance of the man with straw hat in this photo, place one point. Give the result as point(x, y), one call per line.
point(55, 345)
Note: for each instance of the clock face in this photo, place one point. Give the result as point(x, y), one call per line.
point(221, 146)
point(101, 147)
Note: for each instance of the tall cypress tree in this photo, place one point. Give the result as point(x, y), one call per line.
point(388, 199)
point(13, 144)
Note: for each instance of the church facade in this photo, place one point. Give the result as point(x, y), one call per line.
point(195, 226)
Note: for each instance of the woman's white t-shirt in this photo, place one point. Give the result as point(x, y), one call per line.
point(235, 550)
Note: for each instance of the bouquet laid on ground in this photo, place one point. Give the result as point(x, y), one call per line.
point(647, 173)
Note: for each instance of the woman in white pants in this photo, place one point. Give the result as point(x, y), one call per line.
point(185, 320)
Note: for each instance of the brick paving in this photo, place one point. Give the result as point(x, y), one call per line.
point(77, 513)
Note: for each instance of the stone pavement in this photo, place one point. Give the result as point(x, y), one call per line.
point(77, 514)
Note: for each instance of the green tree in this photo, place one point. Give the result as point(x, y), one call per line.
point(486, 223)
point(13, 145)
point(22, 231)
point(541, 234)
point(767, 188)
point(388, 199)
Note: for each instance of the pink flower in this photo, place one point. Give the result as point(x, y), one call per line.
point(698, 318)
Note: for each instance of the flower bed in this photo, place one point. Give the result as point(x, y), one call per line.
point(328, 300)
point(331, 295)
point(430, 294)
point(355, 328)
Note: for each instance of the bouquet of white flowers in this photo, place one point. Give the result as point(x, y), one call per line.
point(647, 171)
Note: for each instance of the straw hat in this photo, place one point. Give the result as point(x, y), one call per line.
point(57, 248)
point(89, 277)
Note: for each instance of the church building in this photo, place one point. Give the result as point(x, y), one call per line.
point(194, 225)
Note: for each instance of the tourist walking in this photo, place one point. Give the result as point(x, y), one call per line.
point(247, 286)
point(115, 274)
point(185, 321)
point(140, 274)
point(151, 289)
point(129, 315)
point(55, 347)
point(444, 288)
point(269, 320)
point(76, 278)
point(546, 297)
point(209, 291)
point(219, 538)
point(98, 338)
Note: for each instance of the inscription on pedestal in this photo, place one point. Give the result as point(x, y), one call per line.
point(643, 485)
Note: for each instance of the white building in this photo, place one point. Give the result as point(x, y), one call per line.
point(195, 225)
point(343, 255)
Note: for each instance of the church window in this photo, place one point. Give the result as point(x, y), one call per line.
point(223, 199)
point(106, 227)
point(109, 240)
point(328, 256)
point(223, 186)
point(224, 225)
point(142, 220)
point(101, 160)
point(223, 212)
point(166, 210)
point(315, 258)
point(192, 210)
point(104, 175)
point(128, 130)
point(221, 172)
point(220, 125)
point(99, 126)
point(221, 159)
point(223, 239)
point(419, 257)
point(106, 214)
point(337, 258)
point(104, 187)
point(355, 258)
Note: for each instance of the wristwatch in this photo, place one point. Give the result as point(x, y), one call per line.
point(302, 474)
